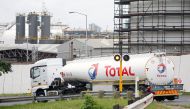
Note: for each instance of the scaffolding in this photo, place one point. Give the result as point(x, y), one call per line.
point(149, 25)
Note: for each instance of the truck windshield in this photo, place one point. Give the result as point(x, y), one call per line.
point(35, 72)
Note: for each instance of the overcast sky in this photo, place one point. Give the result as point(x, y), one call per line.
point(99, 12)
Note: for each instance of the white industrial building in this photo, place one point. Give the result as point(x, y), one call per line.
point(76, 48)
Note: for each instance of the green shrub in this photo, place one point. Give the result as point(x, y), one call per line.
point(130, 95)
point(4, 67)
point(116, 95)
point(89, 103)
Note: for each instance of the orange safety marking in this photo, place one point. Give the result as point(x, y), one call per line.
point(166, 92)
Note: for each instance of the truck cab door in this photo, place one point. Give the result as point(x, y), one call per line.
point(37, 74)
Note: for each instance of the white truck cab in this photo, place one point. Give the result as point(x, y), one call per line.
point(45, 75)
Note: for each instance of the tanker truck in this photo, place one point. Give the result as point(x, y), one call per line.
point(154, 70)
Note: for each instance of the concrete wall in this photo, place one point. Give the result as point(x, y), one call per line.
point(182, 69)
point(17, 81)
point(102, 86)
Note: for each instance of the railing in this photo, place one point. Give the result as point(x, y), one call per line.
point(15, 99)
point(59, 97)
point(142, 103)
point(139, 104)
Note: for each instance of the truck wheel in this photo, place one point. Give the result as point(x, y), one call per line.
point(159, 99)
point(142, 88)
point(41, 94)
point(170, 98)
point(131, 89)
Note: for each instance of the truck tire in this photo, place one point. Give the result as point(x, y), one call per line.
point(131, 89)
point(40, 93)
point(159, 99)
point(142, 88)
point(170, 98)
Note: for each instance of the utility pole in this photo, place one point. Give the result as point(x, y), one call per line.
point(120, 68)
point(86, 19)
point(120, 50)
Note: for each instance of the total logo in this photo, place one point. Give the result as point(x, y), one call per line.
point(93, 71)
point(110, 71)
point(161, 68)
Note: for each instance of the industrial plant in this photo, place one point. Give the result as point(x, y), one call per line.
point(35, 22)
point(147, 52)
point(33, 37)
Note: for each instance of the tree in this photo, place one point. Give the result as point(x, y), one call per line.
point(4, 67)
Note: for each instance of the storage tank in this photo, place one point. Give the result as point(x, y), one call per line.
point(20, 27)
point(33, 21)
point(45, 26)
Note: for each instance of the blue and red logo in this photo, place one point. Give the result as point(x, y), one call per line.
point(93, 71)
point(161, 68)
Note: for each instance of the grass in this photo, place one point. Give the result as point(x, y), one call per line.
point(155, 105)
point(186, 93)
point(184, 106)
point(106, 103)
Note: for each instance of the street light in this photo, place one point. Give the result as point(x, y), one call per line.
point(86, 29)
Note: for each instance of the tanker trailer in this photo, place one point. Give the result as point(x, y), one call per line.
point(154, 70)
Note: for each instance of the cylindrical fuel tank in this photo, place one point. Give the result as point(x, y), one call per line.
point(156, 69)
point(20, 27)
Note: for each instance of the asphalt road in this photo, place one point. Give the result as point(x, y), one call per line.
point(183, 100)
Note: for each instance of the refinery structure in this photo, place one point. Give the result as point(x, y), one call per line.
point(148, 25)
point(141, 25)
point(33, 36)
point(38, 28)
